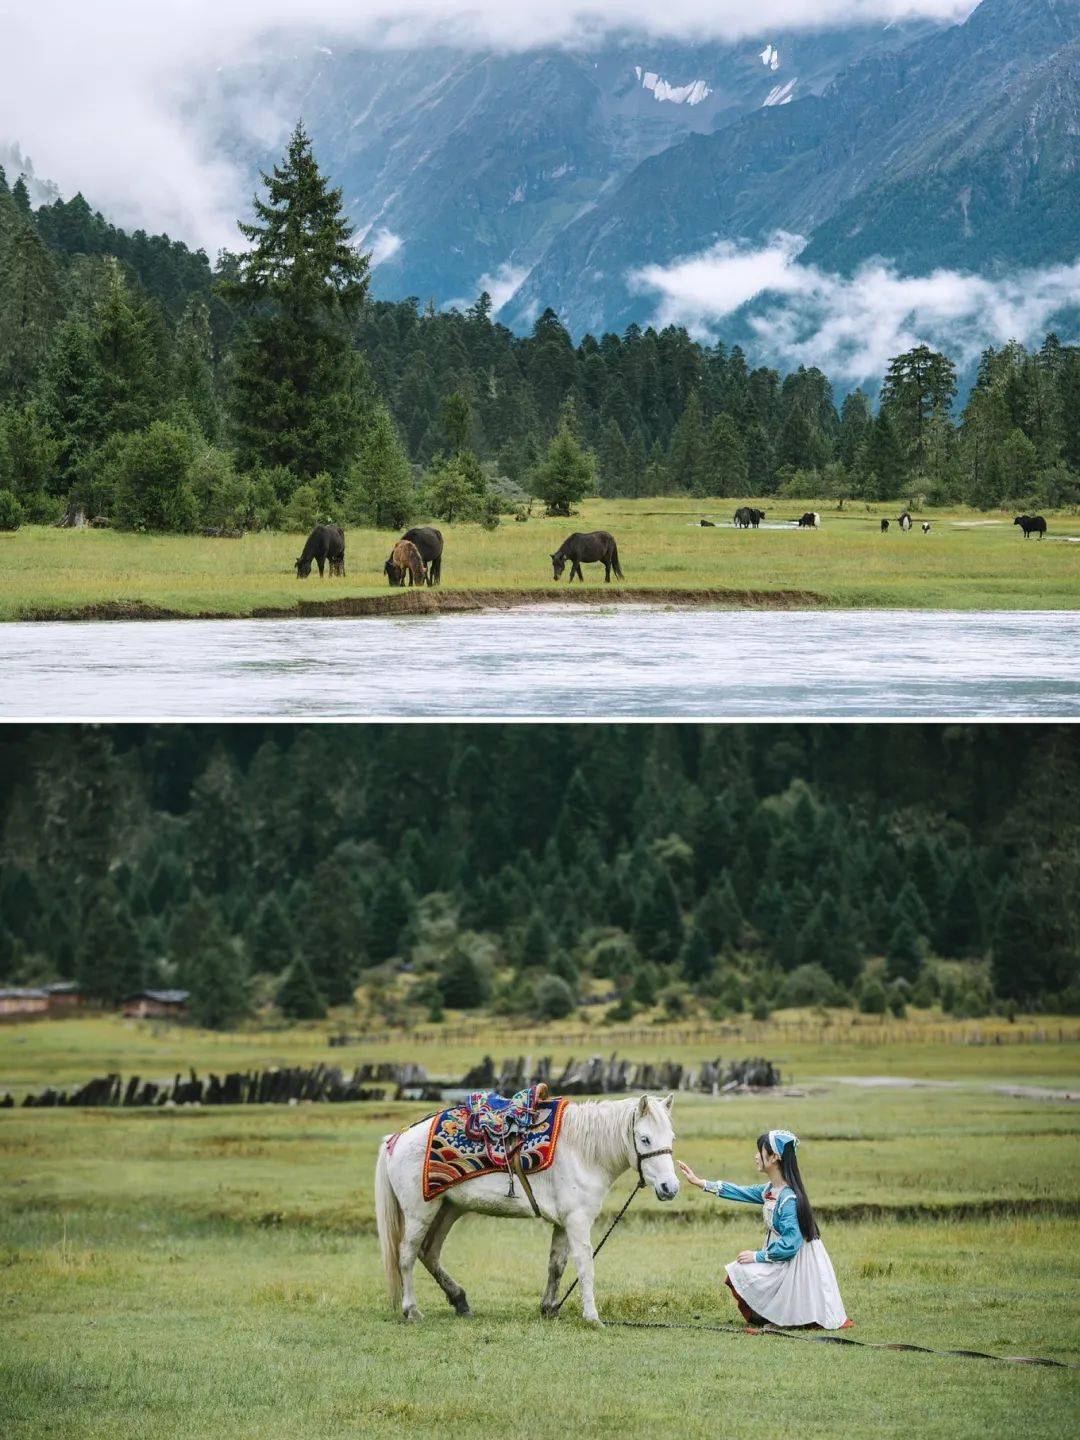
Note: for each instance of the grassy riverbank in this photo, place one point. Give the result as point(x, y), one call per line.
point(969, 561)
point(215, 1272)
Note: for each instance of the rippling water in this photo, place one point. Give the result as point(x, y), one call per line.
point(552, 662)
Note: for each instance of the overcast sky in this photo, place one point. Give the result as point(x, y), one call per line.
point(94, 90)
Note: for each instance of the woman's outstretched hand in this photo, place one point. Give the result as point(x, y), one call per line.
point(746, 1257)
point(689, 1175)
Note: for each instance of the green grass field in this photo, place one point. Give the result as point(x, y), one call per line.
point(214, 1272)
point(970, 560)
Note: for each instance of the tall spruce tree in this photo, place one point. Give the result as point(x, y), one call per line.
point(299, 395)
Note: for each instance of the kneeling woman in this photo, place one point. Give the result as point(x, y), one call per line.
point(791, 1280)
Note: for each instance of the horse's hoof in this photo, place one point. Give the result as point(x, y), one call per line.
point(462, 1310)
point(413, 1313)
point(548, 1312)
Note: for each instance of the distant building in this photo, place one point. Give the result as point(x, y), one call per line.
point(65, 996)
point(18, 1001)
point(156, 1004)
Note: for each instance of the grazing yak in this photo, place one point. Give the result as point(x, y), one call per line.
point(747, 515)
point(595, 547)
point(1031, 525)
point(405, 559)
point(707, 524)
point(884, 526)
point(429, 542)
point(926, 527)
point(810, 521)
point(325, 543)
point(904, 522)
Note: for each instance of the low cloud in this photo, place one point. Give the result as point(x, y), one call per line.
point(502, 285)
point(851, 326)
point(382, 244)
point(111, 96)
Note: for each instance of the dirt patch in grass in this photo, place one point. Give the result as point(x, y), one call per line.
point(447, 602)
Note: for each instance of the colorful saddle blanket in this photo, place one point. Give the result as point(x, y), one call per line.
point(474, 1138)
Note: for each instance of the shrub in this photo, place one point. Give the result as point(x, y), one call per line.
point(873, 999)
point(149, 474)
point(11, 515)
point(761, 1010)
point(809, 985)
point(299, 996)
point(554, 998)
point(673, 999)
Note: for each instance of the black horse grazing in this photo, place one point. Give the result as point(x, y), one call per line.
point(580, 549)
point(884, 526)
point(429, 542)
point(325, 543)
point(1031, 525)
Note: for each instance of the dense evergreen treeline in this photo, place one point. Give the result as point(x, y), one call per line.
point(716, 868)
point(140, 382)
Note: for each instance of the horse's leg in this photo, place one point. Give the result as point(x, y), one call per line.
point(579, 1234)
point(560, 1251)
point(607, 572)
point(432, 1249)
point(416, 1229)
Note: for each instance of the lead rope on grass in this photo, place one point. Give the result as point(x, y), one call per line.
point(839, 1340)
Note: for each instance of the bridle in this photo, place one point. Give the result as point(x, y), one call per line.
point(642, 1155)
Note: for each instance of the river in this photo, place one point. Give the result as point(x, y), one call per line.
point(551, 662)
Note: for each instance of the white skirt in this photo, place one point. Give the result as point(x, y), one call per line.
point(800, 1291)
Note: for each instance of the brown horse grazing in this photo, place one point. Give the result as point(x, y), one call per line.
point(596, 546)
point(429, 542)
point(405, 560)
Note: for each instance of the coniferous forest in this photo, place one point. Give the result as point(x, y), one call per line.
point(518, 869)
point(142, 384)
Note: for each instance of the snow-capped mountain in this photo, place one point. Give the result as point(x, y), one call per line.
point(461, 168)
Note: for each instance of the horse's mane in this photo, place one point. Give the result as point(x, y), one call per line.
point(600, 1129)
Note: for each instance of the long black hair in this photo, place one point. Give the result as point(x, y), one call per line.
point(789, 1169)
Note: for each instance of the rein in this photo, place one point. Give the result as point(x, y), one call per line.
point(641, 1157)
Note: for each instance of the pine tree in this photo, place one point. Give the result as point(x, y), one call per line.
point(110, 959)
point(566, 475)
point(218, 981)
point(1019, 960)
point(904, 957)
point(381, 491)
point(536, 943)
point(658, 924)
point(388, 912)
point(919, 387)
point(727, 464)
point(614, 462)
point(30, 307)
point(299, 397)
point(298, 996)
point(687, 457)
point(697, 958)
point(28, 459)
point(193, 369)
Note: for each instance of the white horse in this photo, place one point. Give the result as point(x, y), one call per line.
point(599, 1140)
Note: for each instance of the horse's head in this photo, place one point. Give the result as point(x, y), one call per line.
point(559, 564)
point(654, 1137)
point(303, 568)
point(394, 573)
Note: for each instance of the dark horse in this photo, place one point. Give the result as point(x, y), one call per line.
point(598, 545)
point(429, 542)
point(326, 542)
point(1031, 525)
point(884, 526)
point(747, 515)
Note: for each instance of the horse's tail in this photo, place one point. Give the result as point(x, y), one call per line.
point(615, 561)
point(390, 1219)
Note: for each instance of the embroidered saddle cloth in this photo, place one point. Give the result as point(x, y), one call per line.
point(482, 1136)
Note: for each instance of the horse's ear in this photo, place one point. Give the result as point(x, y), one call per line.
point(643, 1105)
point(668, 1101)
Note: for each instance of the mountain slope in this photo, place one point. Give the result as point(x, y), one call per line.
point(476, 162)
point(961, 149)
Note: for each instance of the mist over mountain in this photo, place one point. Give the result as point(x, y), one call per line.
point(960, 149)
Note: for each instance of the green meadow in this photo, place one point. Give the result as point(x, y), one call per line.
point(970, 560)
point(214, 1272)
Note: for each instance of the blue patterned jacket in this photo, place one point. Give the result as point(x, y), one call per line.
point(787, 1237)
